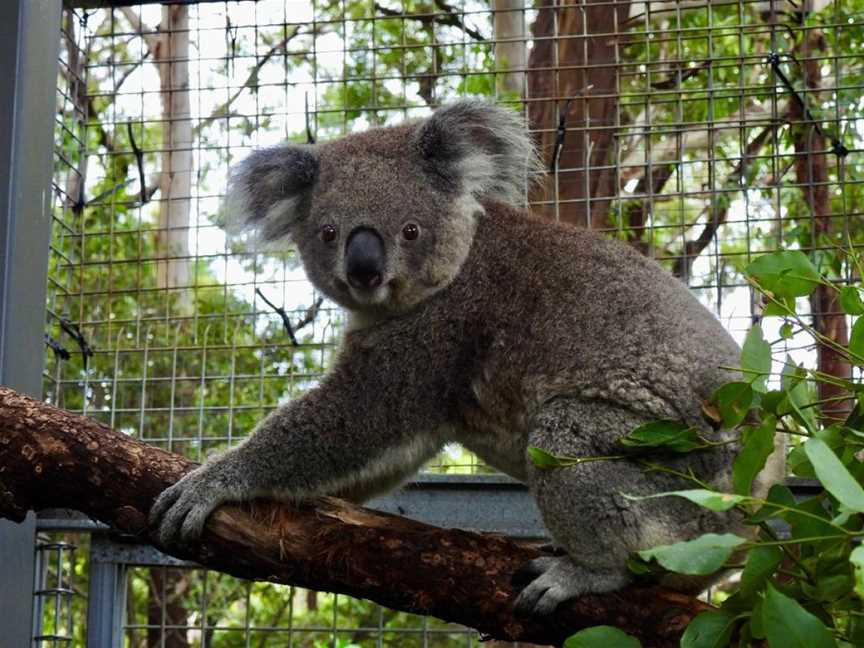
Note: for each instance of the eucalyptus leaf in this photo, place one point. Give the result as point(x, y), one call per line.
point(709, 630)
point(856, 341)
point(833, 474)
point(787, 273)
point(758, 446)
point(602, 637)
point(782, 307)
point(857, 560)
point(850, 300)
point(733, 401)
point(788, 625)
point(778, 495)
point(798, 394)
point(705, 498)
point(762, 561)
point(756, 357)
point(703, 555)
point(855, 420)
point(669, 435)
point(542, 459)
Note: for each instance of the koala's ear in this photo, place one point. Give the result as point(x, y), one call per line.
point(480, 147)
point(268, 192)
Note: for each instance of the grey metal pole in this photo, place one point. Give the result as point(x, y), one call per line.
point(29, 48)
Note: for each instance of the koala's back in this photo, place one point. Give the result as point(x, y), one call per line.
point(567, 312)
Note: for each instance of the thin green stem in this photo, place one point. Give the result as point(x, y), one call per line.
point(767, 530)
point(791, 541)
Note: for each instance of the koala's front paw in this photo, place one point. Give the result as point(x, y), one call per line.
point(180, 512)
point(553, 580)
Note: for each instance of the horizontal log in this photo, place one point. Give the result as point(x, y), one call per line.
point(50, 458)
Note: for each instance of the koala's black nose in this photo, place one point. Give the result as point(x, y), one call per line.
point(364, 259)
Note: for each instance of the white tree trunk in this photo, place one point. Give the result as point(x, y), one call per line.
point(175, 184)
point(510, 46)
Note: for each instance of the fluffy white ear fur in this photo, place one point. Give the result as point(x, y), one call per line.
point(268, 191)
point(483, 147)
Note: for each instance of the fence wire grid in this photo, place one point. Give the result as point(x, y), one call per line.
point(699, 132)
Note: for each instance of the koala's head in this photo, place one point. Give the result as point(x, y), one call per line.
point(384, 219)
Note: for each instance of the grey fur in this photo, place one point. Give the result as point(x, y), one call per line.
point(492, 328)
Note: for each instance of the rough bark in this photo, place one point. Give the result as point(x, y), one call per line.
point(574, 59)
point(811, 175)
point(50, 458)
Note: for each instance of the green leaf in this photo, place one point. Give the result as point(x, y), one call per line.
point(709, 630)
point(543, 459)
point(602, 637)
point(705, 498)
point(856, 341)
point(785, 306)
point(704, 555)
point(733, 401)
point(756, 357)
point(850, 300)
point(778, 495)
point(787, 273)
point(637, 566)
point(669, 435)
point(773, 402)
point(831, 587)
point(762, 561)
point(857, 560)
point(788, 625)
point(786, 331)
point(758, 446)
point(798, 394)
point(834, 476)
point(855, 420)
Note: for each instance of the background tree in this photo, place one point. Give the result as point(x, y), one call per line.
point(679, 136)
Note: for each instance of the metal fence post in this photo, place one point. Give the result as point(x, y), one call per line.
point(29, 47)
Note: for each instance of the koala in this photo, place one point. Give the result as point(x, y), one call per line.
point(471, 321)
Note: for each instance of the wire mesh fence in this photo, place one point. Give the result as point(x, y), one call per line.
point(699, 132)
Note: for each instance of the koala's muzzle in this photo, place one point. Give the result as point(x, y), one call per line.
point(364, 259)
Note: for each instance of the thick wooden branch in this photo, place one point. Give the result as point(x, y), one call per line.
point(50, 458)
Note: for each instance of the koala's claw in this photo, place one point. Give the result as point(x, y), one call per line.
point(181, 510)
point(554, 580)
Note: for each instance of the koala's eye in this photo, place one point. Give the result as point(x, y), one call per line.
point(411, 231)
point(328, 233)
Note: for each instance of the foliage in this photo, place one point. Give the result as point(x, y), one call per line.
point(801, 580)
point(200, 378)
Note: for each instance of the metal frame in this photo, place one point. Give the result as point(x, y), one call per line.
point(28, 50)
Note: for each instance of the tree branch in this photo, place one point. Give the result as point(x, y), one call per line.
point(151, 38)
point(447, 16)
point(692, 249)
point(223, 110)
point(50, 458)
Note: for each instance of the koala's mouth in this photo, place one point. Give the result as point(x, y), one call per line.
point(376, 296)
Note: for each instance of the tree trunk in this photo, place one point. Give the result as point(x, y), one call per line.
point(172, 267)
point(167, 618)
point(510, 37)
point(811, 174)
point(175, 181)
point(573, 60)
point(50, 458)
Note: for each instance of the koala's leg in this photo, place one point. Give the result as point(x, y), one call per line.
point(585, 511)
